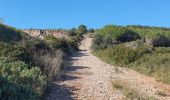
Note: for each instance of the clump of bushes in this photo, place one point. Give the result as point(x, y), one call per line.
point(77, 34)
point(102, 42)
point(155, 36)
point(12, 91)
point(158, 37)
point(120, 54)
point(61, 43)
point(24, 79)
point(119, 33)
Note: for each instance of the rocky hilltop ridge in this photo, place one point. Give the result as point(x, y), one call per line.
point(42, 32)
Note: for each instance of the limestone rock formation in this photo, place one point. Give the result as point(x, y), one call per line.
point(41, 33)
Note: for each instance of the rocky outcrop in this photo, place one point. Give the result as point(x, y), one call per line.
point(41, 33)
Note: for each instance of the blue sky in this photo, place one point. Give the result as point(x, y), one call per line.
point(93, 13)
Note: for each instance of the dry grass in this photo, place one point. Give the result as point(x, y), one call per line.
point(51, 64)
point(161, 93)
point(129, 92)
point(117, 85)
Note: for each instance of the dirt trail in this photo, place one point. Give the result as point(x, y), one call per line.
point(88, 78)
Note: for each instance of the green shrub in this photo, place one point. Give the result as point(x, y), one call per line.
point(102, 42)
point(119, 55)
point(157, 36)
point(119, 33)
point(18, 73)
point(97, 41)
point(12, 91)
point(61, 43)
point(150, 32)
point(53, 42)
point(113, 30)
point(14, 52)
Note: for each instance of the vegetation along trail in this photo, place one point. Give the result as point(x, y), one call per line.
point(88, 78)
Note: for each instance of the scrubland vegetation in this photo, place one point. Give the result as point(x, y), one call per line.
point(143, 48)
point(27, 64)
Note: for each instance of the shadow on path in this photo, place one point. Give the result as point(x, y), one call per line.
point(58, 91)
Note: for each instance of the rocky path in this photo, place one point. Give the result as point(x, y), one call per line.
point(88, 78)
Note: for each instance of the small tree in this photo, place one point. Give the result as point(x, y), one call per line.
point(91, 30)
point(82, 29)
point(72, 32)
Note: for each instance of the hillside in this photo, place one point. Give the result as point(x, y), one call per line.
point(27, 63)
point(143, 48)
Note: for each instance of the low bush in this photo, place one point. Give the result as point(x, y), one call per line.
point(119, 33)
point(102, 42)
point(61, 43)
point(119, 55)
point(17, 72)
point(14, 52)
point(12, 91)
